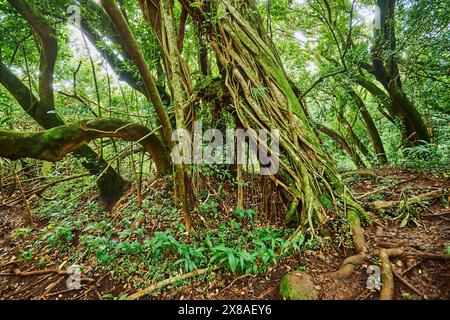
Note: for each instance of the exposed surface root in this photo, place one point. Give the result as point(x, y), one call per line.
point(348, 266)
point(387, 274)
point(380, 205)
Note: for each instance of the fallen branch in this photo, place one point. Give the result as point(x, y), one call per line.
point(406, 283)
point(166, 282)
point(17, 272)
point(380, 205)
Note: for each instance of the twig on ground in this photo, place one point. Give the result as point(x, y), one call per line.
point(406, 283)
point(236, 279)
point(166, 282)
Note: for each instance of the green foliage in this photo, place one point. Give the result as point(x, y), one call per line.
point(244, 214)
point(147, 243)
point(22, 232)
point(58, 235)
point(210, 208)
point(26, 255)
point(428, 157)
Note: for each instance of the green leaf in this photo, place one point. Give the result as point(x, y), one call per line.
point(405, 220)
point(195, 4)
point(232, 262)
point(5, 120)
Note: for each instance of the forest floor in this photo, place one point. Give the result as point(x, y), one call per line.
point(424, 227)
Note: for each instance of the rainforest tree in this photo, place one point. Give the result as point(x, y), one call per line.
point(111, 81)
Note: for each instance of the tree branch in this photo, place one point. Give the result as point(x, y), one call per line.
point(48, 44)
point(52, 145)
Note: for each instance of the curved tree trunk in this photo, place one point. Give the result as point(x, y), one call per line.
point(53, 144)
point(111, 185)
point(173, 59)
point(48, 45)
point(153, 13)
point(385, 69)
point(356, 141)
point(381, 97)
point(343, 144)
point(131, 46)
point(96, 25)
point(370, 125)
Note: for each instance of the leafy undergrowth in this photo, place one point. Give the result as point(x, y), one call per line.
point(133, 247)
point(142, 245)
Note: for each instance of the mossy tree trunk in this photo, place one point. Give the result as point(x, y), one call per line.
point(385, 68)
point(343, 144)
point(172, 58)
point(53, 144)
point(111, 185)
point(153, 13)
point(251, 62)
point(370, 126)
point(351, 134)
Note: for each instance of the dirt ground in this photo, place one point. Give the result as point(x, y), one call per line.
point(426, 279)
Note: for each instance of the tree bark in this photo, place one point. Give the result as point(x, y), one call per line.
point(385, 69)
point(174, 69)
point(354, 137)
point(382, 98)
point(53, 144)
point(253, 66)
point(48, 45)
point(343, 144)
point(152, 11)
point(98, 26)
point(136, 56)
point(111, 185)
point(370, 125)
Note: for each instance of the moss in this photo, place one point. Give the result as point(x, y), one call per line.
point(297, 285)
point(353, 218)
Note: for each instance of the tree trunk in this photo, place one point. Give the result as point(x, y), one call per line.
point(380, 96)
point(111, 185)
point(53, 144)
point(354, 138)
point(253, 66)
point(174, 69)
point(179, 92)
point(370, 126)
point(343, 144)
point(385, 69)
point(131, 46)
